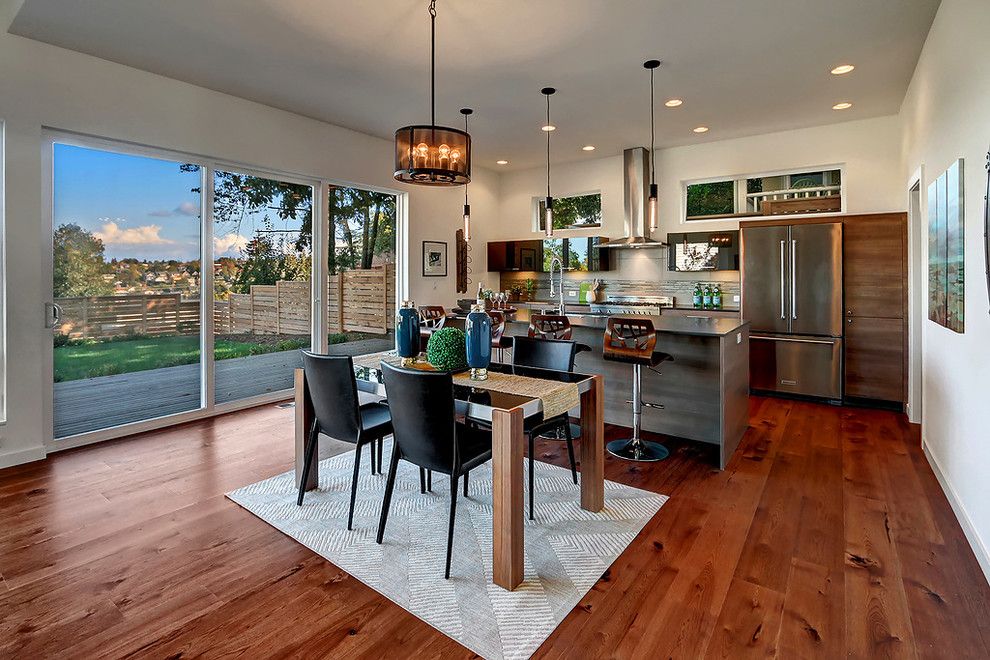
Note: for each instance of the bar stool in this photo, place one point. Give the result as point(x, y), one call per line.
point(433, 318)
point(498, 332)
point(633, 340)
point(555, 326)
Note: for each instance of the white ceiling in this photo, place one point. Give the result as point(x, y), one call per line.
point(743, 67)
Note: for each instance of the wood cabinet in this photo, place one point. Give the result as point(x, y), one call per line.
point(874, 273)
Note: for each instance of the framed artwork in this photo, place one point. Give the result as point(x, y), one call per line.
point(986, 227)
point(947, 250)
point(434, 259)
point(527, 259)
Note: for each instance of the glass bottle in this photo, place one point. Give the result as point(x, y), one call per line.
point(697, 296)
point(407, 332)
point(717, 297)
point(706, 299)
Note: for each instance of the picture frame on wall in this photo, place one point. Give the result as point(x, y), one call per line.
point(434, 259)
point(527, 259)
point(946, 249)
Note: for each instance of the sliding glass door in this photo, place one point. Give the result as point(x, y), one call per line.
point(262, 281)
point(126, 288)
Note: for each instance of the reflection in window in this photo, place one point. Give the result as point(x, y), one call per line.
point(794, 193)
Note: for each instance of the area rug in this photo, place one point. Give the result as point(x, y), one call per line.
point(567, 548)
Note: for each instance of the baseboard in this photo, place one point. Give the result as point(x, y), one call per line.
point(21, 456)
point(975, 542)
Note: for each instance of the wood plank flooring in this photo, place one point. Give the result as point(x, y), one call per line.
point(827, 536)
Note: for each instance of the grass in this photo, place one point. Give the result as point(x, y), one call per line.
point(88, 360)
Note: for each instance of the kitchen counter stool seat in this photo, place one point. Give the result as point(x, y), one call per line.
point(633, 341)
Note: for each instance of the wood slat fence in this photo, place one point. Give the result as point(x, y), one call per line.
point(368, 298)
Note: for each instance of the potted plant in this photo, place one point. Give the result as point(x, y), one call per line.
point(515, 291)
point(530, 289)
point(447, 349)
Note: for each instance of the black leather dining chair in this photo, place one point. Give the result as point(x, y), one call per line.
point(339, 414)
point(428, 435)
point(557, 355)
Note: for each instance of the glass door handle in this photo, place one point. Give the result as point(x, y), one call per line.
point(53, 314)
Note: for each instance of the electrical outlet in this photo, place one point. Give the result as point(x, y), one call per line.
point(738, 337)
point(735, 298)
point(572, 294)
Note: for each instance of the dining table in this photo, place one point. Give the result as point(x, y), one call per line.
point(506, 413)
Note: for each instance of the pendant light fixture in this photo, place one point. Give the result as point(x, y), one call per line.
point(652, 204)
point(432, 155)
point(467, 207)
point(548, 128)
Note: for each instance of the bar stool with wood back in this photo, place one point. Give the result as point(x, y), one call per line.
point(498, 332)
point(633, 340)
point(555, 326)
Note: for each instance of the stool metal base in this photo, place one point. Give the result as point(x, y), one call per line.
point(637, 449)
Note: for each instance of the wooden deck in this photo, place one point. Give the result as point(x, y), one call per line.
point(827, 536)
point(97, 403)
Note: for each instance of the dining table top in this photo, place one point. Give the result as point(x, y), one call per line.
point(477, 402)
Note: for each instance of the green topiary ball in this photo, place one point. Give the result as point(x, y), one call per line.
point(447, 349)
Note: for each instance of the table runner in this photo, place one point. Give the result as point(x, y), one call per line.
point(557, 398)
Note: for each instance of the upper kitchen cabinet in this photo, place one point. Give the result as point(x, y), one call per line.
point(580, 254)
point(703, 251)
point(874, 265)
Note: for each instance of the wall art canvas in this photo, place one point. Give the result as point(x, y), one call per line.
point(947, 249)
point(434, 259)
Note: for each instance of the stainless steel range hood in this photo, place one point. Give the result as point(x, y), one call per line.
point(635, 193)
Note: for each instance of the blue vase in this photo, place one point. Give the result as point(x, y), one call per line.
point(478, 328)
point(407, 332)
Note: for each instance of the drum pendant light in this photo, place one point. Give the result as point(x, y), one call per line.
point(548, 128)
point(432, 155)
point(467, 206)
point(652, 204)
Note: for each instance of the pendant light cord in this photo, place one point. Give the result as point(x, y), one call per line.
point(548, 146)
point(653, 135)
point(433, 63)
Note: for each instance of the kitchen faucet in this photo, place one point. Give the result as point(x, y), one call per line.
point(560, 267)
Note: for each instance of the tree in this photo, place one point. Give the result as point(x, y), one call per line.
point(79, 263)
point(363, 223)
point(266, 262)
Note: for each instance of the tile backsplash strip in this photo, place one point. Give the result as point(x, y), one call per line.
point(636, 272)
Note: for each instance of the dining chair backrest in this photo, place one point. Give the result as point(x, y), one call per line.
point(333, 390)
point(498, 325)
point(433, 316)
point(549, 326)
point(555, 354)
point(422, 407)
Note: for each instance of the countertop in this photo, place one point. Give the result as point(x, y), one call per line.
point(680, 325)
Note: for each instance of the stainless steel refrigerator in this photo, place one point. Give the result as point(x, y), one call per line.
point(792, 296)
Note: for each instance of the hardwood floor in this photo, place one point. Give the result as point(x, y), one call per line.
point(827, 535)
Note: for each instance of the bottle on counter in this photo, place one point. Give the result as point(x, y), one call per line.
point(717, 297)
point(698, 296)
point(706, 299)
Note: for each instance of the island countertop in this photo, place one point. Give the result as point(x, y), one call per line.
point(678, 325)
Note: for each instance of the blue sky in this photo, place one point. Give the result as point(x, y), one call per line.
point(140, 207)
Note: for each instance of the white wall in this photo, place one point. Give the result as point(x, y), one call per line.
point(45, 86)
point(869, 149)
point(945, 116)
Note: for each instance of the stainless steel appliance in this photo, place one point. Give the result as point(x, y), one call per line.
point(632, 305)
point(635, 192)
point(792, 296)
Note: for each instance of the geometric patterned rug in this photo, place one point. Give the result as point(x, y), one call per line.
point(567, 548)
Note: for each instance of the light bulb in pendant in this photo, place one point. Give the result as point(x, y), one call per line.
point(423, 153)
point(654, 212)
point(548, 217)
point(467, 222)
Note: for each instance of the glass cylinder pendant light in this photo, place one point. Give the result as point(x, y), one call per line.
point(652, 204)
point(467, 206)
point(548, 128)
point(432, 155)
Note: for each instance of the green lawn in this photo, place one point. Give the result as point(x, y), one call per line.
point(120, 357)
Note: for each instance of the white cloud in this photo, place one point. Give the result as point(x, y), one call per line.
point(111, 233)
point(229, 244)
point(187, 208)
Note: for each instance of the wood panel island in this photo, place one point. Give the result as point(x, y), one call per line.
point(704, 391)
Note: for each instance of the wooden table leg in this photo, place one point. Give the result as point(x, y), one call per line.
point(304, 417)
point(593, 446)
point(507, 497)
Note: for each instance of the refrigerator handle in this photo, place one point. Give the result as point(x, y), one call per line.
point(782, 286)
point(793, 279)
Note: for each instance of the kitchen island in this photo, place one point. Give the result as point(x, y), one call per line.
point(704, 391)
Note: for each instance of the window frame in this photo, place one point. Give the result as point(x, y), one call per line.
point(537, 220)
point(740, 190)
point(208, 165)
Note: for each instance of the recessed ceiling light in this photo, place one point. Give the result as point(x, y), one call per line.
point(842, 68)
point(548, 127)
point(701, 129)
point(842, 106)
point(673, 103)
point(588, 147)
point(501, 162)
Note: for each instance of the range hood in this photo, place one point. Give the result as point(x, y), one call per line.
point(635, 193)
